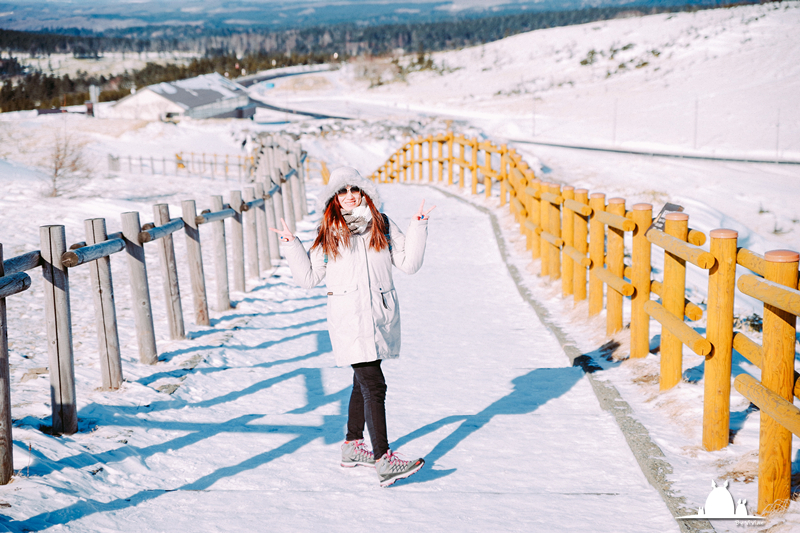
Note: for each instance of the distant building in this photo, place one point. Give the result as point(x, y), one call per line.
point(206, 96)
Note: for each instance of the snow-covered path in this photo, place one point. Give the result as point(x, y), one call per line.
point(514, 438)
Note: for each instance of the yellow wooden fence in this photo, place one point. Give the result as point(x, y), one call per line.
point(577, 237)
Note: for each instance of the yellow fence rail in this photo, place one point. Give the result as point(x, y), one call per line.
point(578, 238)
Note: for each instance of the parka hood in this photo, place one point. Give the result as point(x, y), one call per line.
point(343, 176)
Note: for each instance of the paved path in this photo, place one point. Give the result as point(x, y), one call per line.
point(514, 438)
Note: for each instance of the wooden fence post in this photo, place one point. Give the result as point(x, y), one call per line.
point(277, 200)
point(616, 266)
point(544, 224)
point(169, 275)
point(535, 216)
point(6, 438)
point(461, 141)
point(597, 201)
point(286, 194)
point(505, 162)
point(105, 313)
point(673, 300)
point(195, 259)
point(220, 257)
point(555, 229)
point(579, 242)
point(440, 161)
point(777, 375)
point(303, 175)
point(640, 278)
point(473, 167)
point(413, 159)
point(297, 197)
point(265, 250)
point(59, 330)
point(140, 290)
point(568, 235)
point(272, 222)
point(237, 242)
point(719, 332)
point(450, 156)
point(430, 158)
point(250, 237)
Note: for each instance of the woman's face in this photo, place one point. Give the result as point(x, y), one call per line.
point(349, 197)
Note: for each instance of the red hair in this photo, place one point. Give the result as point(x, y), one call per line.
point(333, 231)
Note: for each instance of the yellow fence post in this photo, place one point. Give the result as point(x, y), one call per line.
point(579, 242)
point(616, 266)
point(535, 217)
point(461, 141)
point(568, 235)
point(450, 145)
point(673, 299)
point(544, 224)
point(473, 167)
point(555, 229)
point(530, 201)
point(597, 237)
point(719, 332)
point(640, 278)
point(421, 158)
point(504, 164)
point(440, 161)
point(407, 162)
point(777, 375)
point(398, 164)
point(430, 158)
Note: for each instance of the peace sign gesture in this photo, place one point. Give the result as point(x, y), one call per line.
point(422, 214)
point(285, 234)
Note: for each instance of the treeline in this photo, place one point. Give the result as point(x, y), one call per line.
point(38, 90)
point(351, 39)
point(44, 44)
point(344, 39)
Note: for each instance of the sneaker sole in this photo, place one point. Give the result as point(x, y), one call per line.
point(404, 475)
point(353, 465)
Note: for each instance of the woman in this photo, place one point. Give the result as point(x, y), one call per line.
point(355, 249)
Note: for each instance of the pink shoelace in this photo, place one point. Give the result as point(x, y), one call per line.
point(361, 447)
point(396, 459)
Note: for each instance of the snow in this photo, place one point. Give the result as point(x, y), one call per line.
point(513, 437)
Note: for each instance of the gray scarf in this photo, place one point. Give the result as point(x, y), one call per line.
point(358, 219)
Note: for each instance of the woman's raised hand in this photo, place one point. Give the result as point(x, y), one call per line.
point(285, 234)
point(422, 214)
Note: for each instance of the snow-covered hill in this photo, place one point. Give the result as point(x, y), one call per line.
point(735, 68)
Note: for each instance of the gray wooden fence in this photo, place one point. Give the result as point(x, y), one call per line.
point(279, 188)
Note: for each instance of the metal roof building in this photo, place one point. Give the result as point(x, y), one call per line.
point(209, 95)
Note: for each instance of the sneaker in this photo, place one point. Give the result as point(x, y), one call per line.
point(391, 467)
point(355, 453)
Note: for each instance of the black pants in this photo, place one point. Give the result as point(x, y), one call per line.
point(367, 405)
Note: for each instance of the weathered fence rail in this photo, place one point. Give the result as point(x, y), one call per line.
point(578, 238)
point(194, 164)
point(276, 188)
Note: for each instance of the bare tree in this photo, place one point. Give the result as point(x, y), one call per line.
point(67, 168)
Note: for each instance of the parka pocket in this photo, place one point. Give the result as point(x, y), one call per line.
point(343, 315)
point(389, 300)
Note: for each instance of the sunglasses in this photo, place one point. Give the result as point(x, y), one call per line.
point(350, 188)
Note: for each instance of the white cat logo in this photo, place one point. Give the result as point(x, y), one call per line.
point(719, 506)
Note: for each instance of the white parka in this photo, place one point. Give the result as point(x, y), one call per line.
point(363, 309)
